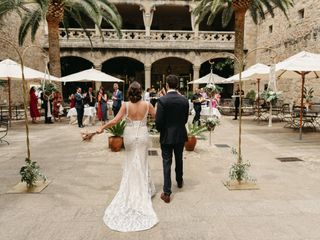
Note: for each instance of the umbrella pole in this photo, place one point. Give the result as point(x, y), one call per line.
point(258, 100)
point(301, 105)
point(9, 105)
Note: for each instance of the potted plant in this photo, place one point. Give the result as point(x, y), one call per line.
point(30, 173)
point(307, 95)
point(193, 132)
point(116, 139)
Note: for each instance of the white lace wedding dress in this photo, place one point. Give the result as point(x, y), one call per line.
point(131, 209)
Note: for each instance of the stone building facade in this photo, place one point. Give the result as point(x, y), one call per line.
point(288, 37)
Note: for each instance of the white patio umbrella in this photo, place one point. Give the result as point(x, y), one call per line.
point(11, 70)
point(206, 79)
point(90, 75)
point(302, 65)
point(257, 71)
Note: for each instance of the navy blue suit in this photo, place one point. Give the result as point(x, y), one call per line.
point(171, 118)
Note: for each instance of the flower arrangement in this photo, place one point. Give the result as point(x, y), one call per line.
point(212, 122)
point(212, 89)
point(270, 96)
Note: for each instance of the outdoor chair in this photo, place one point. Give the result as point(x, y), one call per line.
point(4, 127)
point(285, 113)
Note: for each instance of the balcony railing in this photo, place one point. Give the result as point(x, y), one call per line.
point(158, 39)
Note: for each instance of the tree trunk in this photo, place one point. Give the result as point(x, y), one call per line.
point(54, 50)
point(239, 38)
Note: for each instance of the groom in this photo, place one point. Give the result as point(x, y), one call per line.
point(172, 115)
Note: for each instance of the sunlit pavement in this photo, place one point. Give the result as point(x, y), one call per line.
point(86, 176)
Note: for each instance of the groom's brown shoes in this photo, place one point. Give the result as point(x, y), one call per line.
point(165, 197)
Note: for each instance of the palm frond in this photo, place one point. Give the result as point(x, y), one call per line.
point(31, 21)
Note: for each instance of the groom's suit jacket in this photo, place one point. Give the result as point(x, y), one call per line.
point(171, 118)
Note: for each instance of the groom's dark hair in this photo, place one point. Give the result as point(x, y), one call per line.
point(172, 81)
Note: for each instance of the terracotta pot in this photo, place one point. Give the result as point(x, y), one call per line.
point(191, 143)
point(115, 143)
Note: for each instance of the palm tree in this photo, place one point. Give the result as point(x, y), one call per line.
point(56, 12)
point(258, 8)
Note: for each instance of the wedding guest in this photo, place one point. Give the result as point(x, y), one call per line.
point(47, 105)
point(197, 99)
point(33, 104)
point(90, 98)
point(102, 105)
point(117, 98)
point(72, 101)
point(153, 97)
point(147, 95)
point(162, 92)
point(237, 101)
point(80, 106)
point(57, 101)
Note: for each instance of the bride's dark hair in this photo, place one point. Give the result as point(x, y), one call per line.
point(134, 92)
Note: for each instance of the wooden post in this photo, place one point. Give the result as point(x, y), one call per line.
point(303, 74)
point(9, 104)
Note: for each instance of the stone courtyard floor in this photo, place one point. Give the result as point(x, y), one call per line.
point(86, 176)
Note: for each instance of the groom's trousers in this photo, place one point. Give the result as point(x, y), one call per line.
point(167, 150)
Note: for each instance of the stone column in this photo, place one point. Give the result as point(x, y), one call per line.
point(97, 84)
point(147, 12)
point(196, 74)
point(147, 76)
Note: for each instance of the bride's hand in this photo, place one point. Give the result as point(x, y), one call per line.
point(99, 131)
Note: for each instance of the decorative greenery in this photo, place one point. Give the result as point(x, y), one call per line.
point(48, 88)
point(251, 95)
point(239, 170)
point(226, 62)
point(308, 94)
point(212, 89)
point(194, 130)
point(118, 129)
point(212, 122)
point(270, 96)
point(30, 173)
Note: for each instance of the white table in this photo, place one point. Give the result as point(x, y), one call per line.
point(89, 115)
point(205, 111)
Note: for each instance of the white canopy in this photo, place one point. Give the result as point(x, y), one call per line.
point(257, 71)
point(11, 69)
point(304, 61)
point(206, 79)
point(89, 76)
point(302, 65)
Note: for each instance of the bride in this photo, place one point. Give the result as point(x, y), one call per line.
point(131, 209)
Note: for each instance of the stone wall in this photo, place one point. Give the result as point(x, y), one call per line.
point(33, 57)
point(288, 37)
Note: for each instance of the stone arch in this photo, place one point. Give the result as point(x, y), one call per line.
point(204, 57)
point(189, 57)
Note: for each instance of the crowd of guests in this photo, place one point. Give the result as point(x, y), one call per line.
point(200, 99)
point(52, 104)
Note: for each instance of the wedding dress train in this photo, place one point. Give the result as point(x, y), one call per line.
point(131, 209)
